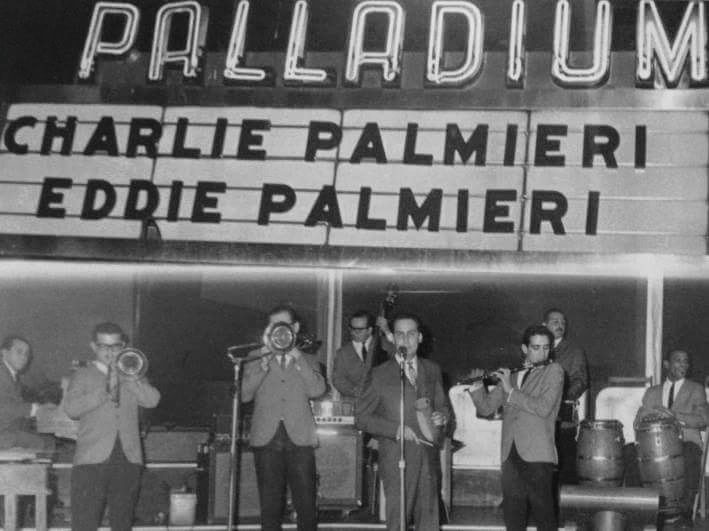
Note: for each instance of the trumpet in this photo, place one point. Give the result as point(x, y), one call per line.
point(489, 377)
point(131, 364)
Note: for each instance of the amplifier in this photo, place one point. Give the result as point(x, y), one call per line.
point(177, 445)
point(345, 421)
point(339, 464)
point(339, 467)
point(218, 493)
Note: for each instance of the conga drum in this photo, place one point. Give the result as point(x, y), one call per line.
point(661, 462)
point(599, 453)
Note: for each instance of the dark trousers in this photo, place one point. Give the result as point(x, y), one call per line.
point(278, 462)
point(692, 471)
point(115, 482)
point(527, 484)
point(420, 484)
point(566, 449)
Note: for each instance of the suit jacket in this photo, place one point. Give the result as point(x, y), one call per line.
point(690, 400)
point(529, 415)
point(14, 411)
point(101, 421)
point(348, 369)
point(283, 395)
point(573, 360)
point(377, 410)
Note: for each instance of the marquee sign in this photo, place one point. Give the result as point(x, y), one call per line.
point(494, 180)
point(660, 59)
point(441, 136)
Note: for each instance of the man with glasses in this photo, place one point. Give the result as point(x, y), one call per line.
point(108, 458)
point(360, 354)
point(377, 413)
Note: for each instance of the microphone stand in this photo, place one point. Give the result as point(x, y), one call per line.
point(235, 446)
point(402, 458)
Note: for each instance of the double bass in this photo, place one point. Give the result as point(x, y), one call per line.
point(386, 307)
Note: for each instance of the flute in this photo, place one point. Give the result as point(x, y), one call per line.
point(489, 378)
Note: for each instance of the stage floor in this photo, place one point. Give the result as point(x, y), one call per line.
point(462, 519)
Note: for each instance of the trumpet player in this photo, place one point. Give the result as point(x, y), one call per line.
point(281, 383)
point(108, 458)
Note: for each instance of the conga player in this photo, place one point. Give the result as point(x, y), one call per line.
point(685, 401)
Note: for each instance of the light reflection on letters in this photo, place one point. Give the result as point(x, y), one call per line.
point(561, 71)
point(295, 54)
point(94, 46)
point(196, 33)
point(390, 58)
point(469, 69)
point(653, 43)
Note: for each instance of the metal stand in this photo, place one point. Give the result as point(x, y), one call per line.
point(235, 440)
point(402, 458)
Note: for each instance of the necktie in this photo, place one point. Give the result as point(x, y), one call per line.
point(671, 396)
point(524, 377)
point(283, 362)
point(364, 352)
point(411, 372)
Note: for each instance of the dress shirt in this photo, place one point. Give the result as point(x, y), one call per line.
point(666, 390)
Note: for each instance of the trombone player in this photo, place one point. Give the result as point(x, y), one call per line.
point(104, 397)
point(281, 382)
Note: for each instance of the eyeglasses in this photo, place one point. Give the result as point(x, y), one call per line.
point(359, 328)
point(113, 347)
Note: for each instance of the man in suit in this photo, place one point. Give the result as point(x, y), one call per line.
point(572, 359)
point(377, 413)
point(15, 412)
point(530, 400)
point(686, 401)
point(360, 354)
point(108, 457)
point(281, 384)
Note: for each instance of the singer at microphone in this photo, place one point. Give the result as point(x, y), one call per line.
point(377, 413)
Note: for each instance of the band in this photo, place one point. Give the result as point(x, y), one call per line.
point(386, 384)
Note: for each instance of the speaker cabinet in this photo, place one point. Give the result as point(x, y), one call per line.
point(169, 446)
point(339, 465)
point(218, 505)
point(339, 469)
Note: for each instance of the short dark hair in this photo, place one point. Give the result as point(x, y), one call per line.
point(668, 358)
point(109, 328)
point(537, 330)
point(9, 340)
point(403, 315)
point(363, 313)
point(287, 308)
point(552, 310)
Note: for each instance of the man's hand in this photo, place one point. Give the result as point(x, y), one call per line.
point(505, 380)
point(264, 363)
point(476, 373)
point(295, 354)
point(112, 380)
point(383, 324)
point(664, 411)
point(409, 434)
point(438, 418)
